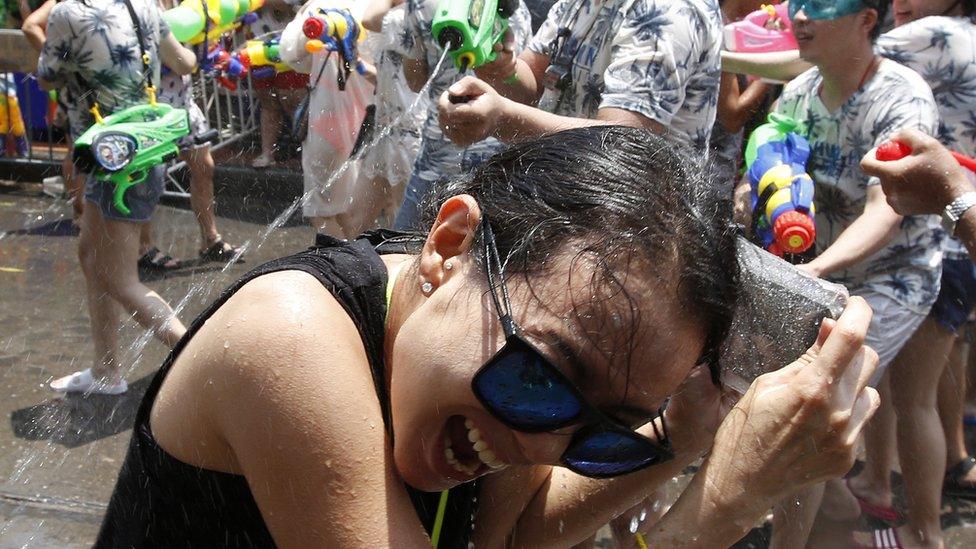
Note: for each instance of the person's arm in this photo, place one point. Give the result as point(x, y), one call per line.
point(374, 13)
point(307, 436)
point(760, 453)
point(737, 106)
point(518, 78)
point(870, 232)
point(781, 66)
point(54, 65)
point(35, 24)
point(176, 56)
point(483, 113)
point(924, 182)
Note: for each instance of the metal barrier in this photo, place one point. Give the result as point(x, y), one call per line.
point(232, 113)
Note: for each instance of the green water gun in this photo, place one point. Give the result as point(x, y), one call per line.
point(469, 29)
point(123, 147)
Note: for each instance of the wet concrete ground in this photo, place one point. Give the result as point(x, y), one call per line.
point(59, 456)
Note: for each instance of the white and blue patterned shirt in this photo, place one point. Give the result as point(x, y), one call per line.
point(908, 267)
point(439, 156)
point(96, 41)
point(943, 51)
point(657, 58)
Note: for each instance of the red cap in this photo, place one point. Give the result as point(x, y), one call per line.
point(794, 232)
point(313, 27)
point(892, 150)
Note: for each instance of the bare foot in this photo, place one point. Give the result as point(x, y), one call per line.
point(860, 488)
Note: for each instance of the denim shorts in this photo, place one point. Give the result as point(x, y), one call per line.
point(141, 198)
point(957, 297)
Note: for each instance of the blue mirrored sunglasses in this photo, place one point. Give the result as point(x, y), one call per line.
point(521, 388)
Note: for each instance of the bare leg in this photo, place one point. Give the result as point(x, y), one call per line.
point(952, 393)
point(146, 237)
point(103, 311)
point(74, 182)
point(201, 165)
point(116, 253)
point(270, 124)
point(793, 518)
point(914, 377)
point(873, 484)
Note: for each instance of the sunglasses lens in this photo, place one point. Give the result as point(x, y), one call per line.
point(519, 387)
point(609, 454)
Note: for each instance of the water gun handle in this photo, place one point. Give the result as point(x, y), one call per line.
point(896, 150)
point(457, 99)
point(118, 198)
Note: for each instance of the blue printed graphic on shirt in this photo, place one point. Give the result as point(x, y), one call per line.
point(657, 58)
point(908, 267)
point(943, 51)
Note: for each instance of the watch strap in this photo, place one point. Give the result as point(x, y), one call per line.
point(955, 210)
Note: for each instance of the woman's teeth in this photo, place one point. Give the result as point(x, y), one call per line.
point(485, 453)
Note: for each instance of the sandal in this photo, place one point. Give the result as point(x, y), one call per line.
point(953, 484)
point(887, 514)
point(221, 252)
point(881, 539)
point(155, 261)
point(84, 382)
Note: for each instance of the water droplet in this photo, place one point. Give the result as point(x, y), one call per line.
point(226, 344)
point(634, 523)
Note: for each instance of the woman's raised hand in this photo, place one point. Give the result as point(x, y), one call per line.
point(469, 111)
point(799, 425)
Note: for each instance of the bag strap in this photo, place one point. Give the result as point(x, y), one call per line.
point(144, 54)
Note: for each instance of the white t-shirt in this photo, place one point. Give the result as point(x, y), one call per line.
point(908, 267)
point(943, 51)
point(657, 58)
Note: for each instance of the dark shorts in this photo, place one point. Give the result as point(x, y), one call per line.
point(957, 298)
point(141, 199)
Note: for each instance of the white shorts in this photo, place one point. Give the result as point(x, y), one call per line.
point(891, 327)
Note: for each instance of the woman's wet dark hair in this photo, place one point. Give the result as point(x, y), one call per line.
point(620, 195)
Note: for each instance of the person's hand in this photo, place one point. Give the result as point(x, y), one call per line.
point(469, 111)
point(694, 413)
point(505, 63)
point(812, 269)
point(922, 183)
point(798, 426)
point(742, 204)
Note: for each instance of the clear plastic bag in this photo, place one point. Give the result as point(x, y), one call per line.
point(777, 316)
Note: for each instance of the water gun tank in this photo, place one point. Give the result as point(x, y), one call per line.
point(782, 192)
point(768, 29)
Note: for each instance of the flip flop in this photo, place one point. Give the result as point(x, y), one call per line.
point(952, 484)
point(155, 261)
point(887, 514)
point(220, 252)
point(84, 382)
point(881, 539)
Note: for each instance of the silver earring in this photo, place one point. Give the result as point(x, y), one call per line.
point(448, 265)
point(426, 288)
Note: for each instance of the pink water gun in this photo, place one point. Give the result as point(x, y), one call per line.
point(896, 150)
point(768, 29)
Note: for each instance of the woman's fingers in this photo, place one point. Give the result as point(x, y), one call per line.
point(844, 339)
point(865, 405)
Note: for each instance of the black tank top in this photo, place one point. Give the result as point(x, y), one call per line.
point(160, 501)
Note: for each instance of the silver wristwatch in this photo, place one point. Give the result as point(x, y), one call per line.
point(955, 209)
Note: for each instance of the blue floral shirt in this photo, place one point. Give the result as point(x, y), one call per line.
point(943, 51)
point(97, 42)
point(439, 157)
point(657, 58)
point(908, 267)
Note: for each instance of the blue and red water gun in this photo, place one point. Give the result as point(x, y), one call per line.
point(782, 191)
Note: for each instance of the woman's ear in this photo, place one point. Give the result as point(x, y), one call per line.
point(451, 236)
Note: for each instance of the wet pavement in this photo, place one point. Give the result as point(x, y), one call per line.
point(59, 456)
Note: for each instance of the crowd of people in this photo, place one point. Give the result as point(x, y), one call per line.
point(541, 326)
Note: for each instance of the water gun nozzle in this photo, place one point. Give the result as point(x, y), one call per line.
point(794, 232)
point(450, 39)
point(314, 46)
point(892, 150)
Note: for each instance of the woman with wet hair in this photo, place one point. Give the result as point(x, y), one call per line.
point(498, 379)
